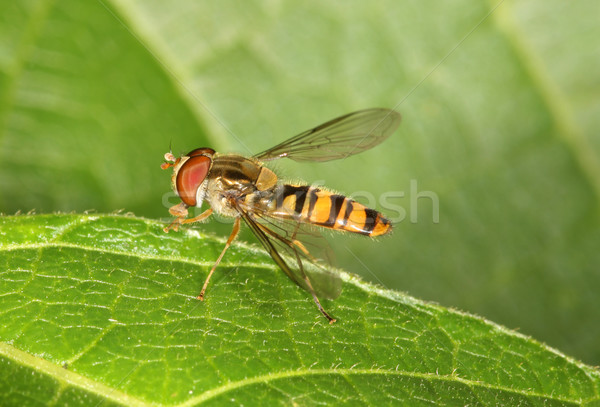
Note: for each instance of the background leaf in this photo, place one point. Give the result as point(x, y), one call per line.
point(103, 309)
point(501, 119)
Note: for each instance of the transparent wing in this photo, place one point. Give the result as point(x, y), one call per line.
point(338, 138)
point(291, 245)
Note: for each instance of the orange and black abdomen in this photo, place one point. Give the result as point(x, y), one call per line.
point(323, 208)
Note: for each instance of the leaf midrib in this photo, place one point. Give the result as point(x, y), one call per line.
point(67, 377)
point(549, 93)
point(177, 75)
point(209, 394)
point(25, 46)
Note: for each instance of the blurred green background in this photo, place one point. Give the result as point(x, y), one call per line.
point(500, 105)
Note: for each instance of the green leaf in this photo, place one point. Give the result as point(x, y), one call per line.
point(103, 309)
point(500, 121)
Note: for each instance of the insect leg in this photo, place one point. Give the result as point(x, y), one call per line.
point(181, 212)
point(291, 243)
point(234, 233)
point(312, 290)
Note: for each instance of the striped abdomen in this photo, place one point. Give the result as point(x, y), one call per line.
point(323, 208)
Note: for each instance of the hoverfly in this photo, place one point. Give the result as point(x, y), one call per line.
point(280, 214)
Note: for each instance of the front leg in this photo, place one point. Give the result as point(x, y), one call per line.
point(180, 212)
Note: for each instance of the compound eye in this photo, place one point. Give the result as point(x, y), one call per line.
point(190, 176)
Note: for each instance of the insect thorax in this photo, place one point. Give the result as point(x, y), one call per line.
point(240, 179)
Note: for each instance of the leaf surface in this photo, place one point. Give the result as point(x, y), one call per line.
point(500, 123)
point(103, 308)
